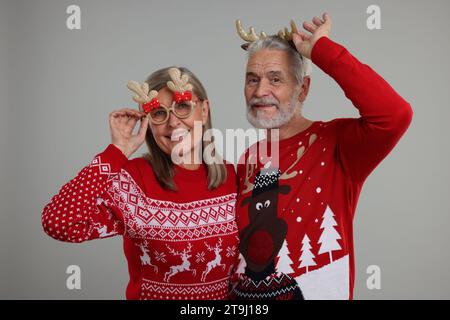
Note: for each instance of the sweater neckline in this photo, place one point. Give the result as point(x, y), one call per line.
point(187, 174)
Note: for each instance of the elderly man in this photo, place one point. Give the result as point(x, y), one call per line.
point(295, 208)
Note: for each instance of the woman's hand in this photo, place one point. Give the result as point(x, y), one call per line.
point(122, 123)
point(305, 42)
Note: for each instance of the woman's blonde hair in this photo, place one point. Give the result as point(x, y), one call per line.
point(160, 161)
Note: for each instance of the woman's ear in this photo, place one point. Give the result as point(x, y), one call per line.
point(205, 111)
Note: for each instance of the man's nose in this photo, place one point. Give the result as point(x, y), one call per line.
point(263, 89)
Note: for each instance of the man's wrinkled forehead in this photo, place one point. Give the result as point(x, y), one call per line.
point(265, 62)
point(261, 68)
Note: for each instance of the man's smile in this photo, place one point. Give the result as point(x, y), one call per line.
point(264, 106)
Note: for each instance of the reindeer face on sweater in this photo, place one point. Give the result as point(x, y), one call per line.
point(264, 206)
point(266, 232)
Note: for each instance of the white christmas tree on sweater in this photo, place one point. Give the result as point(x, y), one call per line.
point(241, 264)
point(307, 257)
point(328, 238)
point(284, 262)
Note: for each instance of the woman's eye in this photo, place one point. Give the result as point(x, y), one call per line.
point(159, 113)
point(275, 80)
point(259, 206)
point(183, 106)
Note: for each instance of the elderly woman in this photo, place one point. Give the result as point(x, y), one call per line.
point(174, 208)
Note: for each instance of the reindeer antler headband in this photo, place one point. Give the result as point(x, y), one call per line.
point(284, 34)
point(179, 85)
point(251, 36)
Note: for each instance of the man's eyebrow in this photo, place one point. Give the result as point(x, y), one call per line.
point(275, 73)
point(251, 74)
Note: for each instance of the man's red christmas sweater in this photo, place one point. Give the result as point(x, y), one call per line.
point(296, 218)
point(178, 244)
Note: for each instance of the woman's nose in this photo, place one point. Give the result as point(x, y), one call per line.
point(173, 121)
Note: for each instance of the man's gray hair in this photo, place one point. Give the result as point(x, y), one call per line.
point(301, 66)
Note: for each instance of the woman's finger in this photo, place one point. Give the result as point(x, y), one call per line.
point(120, 115)
point(131, 123)
point(122, 119)
point(143, 128)
point(130, 118)
point(133, 112)
point(120, 111)
point(128, 124)
point(128, 111)
point(116, 114)
point(128, 114)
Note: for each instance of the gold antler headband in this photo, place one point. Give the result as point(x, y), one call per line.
point(248, 36)
point(284, 34)
point(251, 36)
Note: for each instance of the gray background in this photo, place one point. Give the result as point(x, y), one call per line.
point(57, 87)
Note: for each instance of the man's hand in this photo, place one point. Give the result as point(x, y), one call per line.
point(305, 42)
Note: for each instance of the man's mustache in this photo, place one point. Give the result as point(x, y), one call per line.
point(264, 101)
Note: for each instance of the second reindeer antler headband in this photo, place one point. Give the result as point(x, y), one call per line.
point(251, 36)
point(286, 35)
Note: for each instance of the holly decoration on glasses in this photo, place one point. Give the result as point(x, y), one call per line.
point(182, 96)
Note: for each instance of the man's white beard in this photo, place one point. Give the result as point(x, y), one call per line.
point(283, 116)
